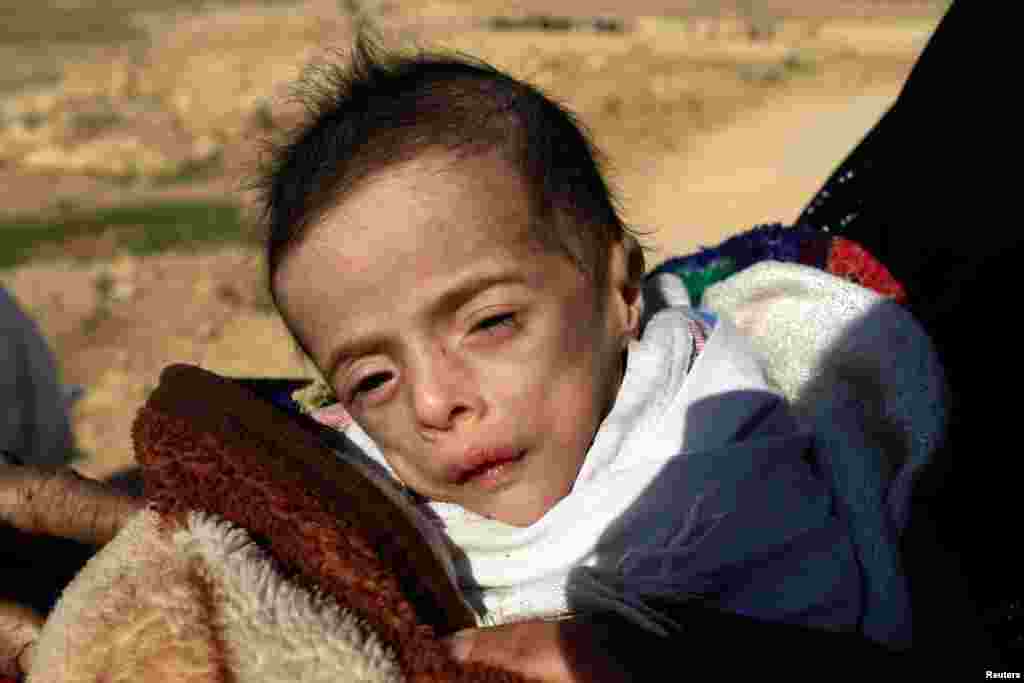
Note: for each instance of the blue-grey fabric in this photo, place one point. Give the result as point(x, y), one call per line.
point(34, 423)
point(788, 507)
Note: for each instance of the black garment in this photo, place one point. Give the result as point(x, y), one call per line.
point(920, 194)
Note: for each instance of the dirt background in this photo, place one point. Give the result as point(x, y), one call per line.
point(714, 116)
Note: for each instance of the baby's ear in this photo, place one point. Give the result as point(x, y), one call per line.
point(635, 261)
point(625, 277)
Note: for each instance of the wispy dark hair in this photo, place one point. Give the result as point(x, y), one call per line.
point(382, 109)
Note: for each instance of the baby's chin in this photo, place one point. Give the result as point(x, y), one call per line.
point(517, 507)
point(518, 493)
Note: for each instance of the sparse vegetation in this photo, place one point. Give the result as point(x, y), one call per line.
point(95, 119)
point(795, 63)
point(764, 74)
point(23, 71)
point(33, 119)
point(44, 22)
point(761, 22)
point(140, 229)
point(798, 61)
point(96, 22)
point(192, 170)
point(548, 22)
point(103, 283)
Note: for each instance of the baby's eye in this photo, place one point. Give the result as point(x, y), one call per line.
point(370, 383)
point(495, 322)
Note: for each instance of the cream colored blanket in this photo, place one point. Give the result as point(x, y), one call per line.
point(199, 603)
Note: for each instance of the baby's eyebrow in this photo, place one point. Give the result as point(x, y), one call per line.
point(467, 288)
point(454, 297)
point(352, 349)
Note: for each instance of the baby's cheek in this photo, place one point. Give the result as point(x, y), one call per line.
point(573, 422)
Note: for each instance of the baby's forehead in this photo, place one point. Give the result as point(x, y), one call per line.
point(437, 210)
point(442, 202)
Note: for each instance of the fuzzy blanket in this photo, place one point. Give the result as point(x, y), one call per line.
point(263, 555)
point(197, 601)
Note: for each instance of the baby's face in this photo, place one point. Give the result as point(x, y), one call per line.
point(479, 363)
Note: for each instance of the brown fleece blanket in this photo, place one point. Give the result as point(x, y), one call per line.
point(262, 556)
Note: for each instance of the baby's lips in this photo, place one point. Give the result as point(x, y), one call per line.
point(334, 416)
point(479, 460)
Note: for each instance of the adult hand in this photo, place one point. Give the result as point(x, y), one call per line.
point(19, 629)
point(60, 502)
point(566, 651)
point(37, 506)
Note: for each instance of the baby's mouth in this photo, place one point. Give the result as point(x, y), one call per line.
point(490, 469)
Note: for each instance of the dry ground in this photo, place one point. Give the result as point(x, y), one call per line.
point(708, 130)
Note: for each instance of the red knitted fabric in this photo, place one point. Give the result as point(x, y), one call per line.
point(851, 261)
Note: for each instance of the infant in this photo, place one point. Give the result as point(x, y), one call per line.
point(444, 247)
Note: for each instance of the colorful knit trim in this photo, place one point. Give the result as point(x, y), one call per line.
point(798, 244)
point(700, 330)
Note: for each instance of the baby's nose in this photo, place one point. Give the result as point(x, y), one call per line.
point(444, 393)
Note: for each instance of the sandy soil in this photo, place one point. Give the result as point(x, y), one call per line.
point(707, 131)
point(763, 168)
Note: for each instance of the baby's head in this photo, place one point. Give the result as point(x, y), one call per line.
point(444, 248)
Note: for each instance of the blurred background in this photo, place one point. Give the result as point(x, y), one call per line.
point(129, 128)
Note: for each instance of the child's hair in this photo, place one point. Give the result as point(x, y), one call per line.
point(384, 108)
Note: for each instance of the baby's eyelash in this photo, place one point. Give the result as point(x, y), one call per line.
point(375, 380)
point(370, 382)
point(496, 321)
